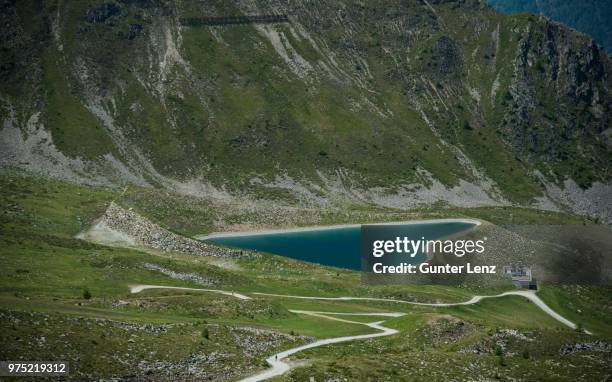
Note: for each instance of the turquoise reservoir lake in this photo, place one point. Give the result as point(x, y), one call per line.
point(334, 246)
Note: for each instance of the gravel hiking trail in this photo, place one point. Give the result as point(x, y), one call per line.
point(278, 362)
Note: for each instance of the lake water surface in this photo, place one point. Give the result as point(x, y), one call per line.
point(335, 246)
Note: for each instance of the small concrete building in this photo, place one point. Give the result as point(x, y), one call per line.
point(521, 276)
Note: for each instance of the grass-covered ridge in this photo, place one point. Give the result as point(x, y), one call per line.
point(82, 289)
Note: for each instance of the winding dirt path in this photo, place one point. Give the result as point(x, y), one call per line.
point(139, 288)
point(528, 294)
point(279, 366)
point(278, 363)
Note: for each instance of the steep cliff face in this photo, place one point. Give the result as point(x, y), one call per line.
point(589, 16)
point(560, 101)
point(398, 103)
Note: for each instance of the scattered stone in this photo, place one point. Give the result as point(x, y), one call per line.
point(182, 276)
point(596, 346)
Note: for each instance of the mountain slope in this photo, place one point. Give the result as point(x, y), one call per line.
point(398, 104)
point(590, 16)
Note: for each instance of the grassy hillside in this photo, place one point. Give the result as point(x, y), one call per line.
point(71, 299)
point(349, 112)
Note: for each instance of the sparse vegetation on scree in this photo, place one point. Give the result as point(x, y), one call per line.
point(398, 103)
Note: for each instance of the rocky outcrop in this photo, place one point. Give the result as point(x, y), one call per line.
point(102, 12)
point(151, 235)
point(563, 77)
point(596, 346)
point(181, 275)
point(449, 56)
point(254, 341)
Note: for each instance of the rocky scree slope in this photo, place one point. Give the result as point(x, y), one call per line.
point(397, 103)
point(137, 230)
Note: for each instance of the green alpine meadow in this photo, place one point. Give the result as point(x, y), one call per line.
point(184, 185)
